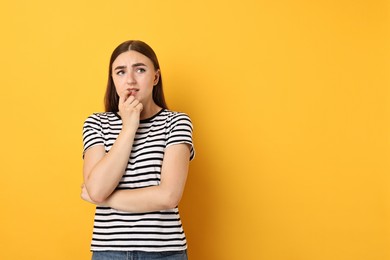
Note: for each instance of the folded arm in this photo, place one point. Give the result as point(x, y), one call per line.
point(102, 171)
point(166, 195)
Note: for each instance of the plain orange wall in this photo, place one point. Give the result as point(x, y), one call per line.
point(290, 103)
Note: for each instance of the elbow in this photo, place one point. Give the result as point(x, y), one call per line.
point(97, 193)
point(171, 201)
point(98, 199)
point(97, 196)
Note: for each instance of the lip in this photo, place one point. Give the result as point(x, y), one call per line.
point(133, 91)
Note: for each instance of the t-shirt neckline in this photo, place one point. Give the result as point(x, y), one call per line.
point(146, 119)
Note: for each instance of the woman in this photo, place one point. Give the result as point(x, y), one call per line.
point(136, 158)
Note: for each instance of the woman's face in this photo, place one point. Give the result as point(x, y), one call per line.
point(135, 72)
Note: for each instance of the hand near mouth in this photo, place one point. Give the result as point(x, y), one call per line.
point(133, 91)
point(130, 110)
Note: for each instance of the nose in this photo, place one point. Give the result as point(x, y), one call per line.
point(130, 79)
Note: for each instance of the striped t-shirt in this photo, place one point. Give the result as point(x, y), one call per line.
point(151, 231)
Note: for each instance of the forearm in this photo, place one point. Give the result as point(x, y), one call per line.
point(147, 199)
point(167, 195)
point(164, 196)
point(104, 176)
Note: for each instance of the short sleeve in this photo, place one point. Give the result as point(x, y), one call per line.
point(92, 132)
point(181, 132)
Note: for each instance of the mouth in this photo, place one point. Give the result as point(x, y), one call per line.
point(133, 91)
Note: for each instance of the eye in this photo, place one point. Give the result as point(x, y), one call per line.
point(140, 70)
point(120, 72)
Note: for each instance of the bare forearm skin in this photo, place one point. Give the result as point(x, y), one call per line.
point(103, 171)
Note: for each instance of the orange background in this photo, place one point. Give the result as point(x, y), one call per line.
point(289, 100)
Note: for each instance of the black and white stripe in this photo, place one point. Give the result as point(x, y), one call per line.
point(153, 231)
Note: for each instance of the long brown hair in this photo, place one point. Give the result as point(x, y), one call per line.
point(111, 98)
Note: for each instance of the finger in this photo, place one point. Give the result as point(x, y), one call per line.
point(123, 96)
point(139, 106)
point(122, 99)
point(130, 99)
point(134, 102)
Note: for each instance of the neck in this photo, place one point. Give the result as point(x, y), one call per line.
point(149, 110)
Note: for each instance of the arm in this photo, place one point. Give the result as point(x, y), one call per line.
point(102, 171)
point(167, 195)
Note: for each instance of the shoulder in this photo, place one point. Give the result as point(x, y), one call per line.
point(100, 118)
point(174, 116)
point(180, 130)
point(177, 120)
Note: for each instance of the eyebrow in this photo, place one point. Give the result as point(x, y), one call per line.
point(133, 65)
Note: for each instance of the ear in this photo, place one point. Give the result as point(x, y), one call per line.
point(156, 77)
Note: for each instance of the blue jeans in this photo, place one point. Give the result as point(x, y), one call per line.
point(139, 255)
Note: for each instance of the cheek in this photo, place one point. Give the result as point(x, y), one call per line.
point(117, 83)
point(150, 80)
